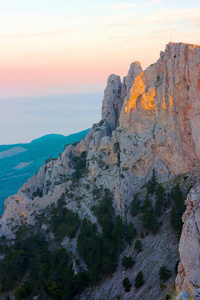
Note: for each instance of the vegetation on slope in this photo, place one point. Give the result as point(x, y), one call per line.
point(152, 213)
point(45, 272)
point(100, 250)
point(38, 265)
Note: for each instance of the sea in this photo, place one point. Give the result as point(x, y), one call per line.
point(28, 118)
point(25, 119)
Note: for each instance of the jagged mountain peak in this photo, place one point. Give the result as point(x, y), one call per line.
point(150, 121)
point(150, 125)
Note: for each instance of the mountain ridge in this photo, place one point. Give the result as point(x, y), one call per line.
point(149, 128)
point(17, 168)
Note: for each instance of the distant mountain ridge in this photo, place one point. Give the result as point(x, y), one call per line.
point(18, 162)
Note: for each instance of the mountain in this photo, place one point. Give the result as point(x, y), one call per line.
point(21, 161)
point(114, 201)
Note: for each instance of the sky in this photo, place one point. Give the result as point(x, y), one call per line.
point(26, 118)
point(58, 47)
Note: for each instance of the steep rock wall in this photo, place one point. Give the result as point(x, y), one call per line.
point(162, 108)
point(189, 246)
point(150, 121)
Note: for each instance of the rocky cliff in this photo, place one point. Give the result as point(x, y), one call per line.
point(189, 246)
point(150, 121)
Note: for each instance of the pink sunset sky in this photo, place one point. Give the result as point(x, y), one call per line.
point(58, 47)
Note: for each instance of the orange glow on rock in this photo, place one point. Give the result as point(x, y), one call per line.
point(170, 101)
point(137, 89)
point(198, 84)
point(164, 104)
point(148, 99)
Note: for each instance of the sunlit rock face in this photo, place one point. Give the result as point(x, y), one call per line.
point(150, 121)
point(162, 108)
point(189, 246)
point(158, 121)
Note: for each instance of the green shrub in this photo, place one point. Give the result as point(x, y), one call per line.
point(178, 209)
point(127, 262)
point(37, 193)
point(116, 147)
point(146, 206)
point(138, 246)
point(150, 222)
point(87, 186)
point(23, 291)
point(96, 192)
point(189, 188)
point(101, 122)
point(135, 206)
point(79, 164)
point(126, 284)
point(109, 264)
point(151, 185)
point(139, 280)
point(130, 232)
point(64, 222)
point(160, 200)
point(164, 273)
point(61, 201)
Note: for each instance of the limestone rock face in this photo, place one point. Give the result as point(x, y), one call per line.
point(112, 101)
point(162, 108)
point(135, 69)
point(189, 246)
point(150, 121)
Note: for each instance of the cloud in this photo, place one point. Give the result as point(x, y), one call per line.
point(121, 6)
point(31, 33)
point(156, 26)
point(125, 6)
point(167, 17)
point(155, 1)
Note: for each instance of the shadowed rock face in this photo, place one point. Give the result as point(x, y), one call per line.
point(189, 246)
point(112, 101)
point(150, 121)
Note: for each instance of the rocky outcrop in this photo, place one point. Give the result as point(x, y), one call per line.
point(112, 101)
point(189, 247)
point(162, 109)
point(150, 121)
